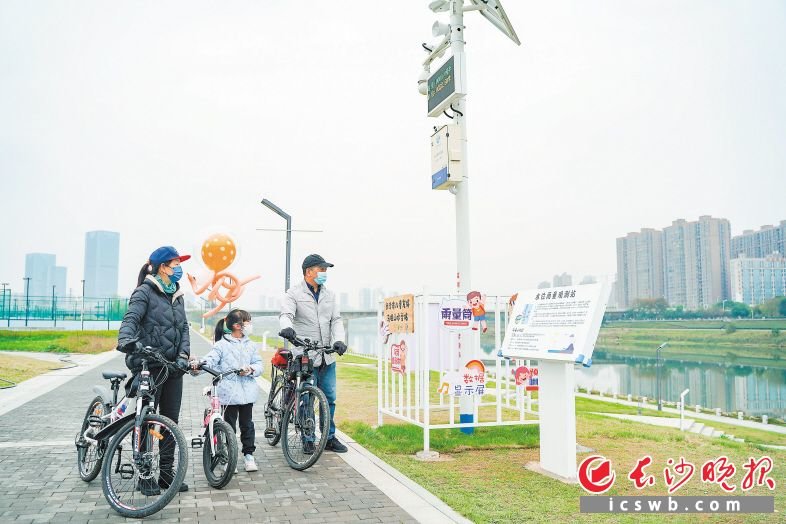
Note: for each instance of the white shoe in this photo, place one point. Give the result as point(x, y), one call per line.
point(250, 463)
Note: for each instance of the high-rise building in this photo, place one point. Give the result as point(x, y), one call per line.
point(562, 280)
point(759, 244)
point(756, 280)
point(544, 285)
point(366, 299)
point(58, 279)
point(639, 267)
point(343, 302)
point(39, 268)
point(102, 256)
point(588, 279)
point(696, 262)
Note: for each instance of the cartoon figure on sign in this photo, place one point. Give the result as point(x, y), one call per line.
point(398, 357)
point(477, 302)
point(218, 253)
point(384, 331)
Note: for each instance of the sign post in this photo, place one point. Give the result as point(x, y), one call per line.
point(558, 327)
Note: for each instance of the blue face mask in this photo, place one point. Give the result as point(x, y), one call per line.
point(321, 277)
point(178, 273)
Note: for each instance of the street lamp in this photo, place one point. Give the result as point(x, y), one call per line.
point(8, 313)
point(657, 365)
point(82, 314)
point(27, 297)
point(280, 212)
point(54, 307)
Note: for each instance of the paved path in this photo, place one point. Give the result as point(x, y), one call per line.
point(40, 483)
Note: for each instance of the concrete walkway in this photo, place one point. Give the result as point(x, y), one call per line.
point(40, 482)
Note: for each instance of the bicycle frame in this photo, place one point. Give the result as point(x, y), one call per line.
point(216, 410)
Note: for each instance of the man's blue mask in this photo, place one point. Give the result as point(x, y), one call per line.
point(321, 277)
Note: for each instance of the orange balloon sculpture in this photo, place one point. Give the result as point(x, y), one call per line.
point(218, 253)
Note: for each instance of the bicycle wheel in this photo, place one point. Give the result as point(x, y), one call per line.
point(307, 419)
point(273, 411)
point(219, 467)
point(140, 487)
point(89, 456)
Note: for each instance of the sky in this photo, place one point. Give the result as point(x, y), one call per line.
point(169, 121)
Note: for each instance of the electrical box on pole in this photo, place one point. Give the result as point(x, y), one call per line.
point(447, 167)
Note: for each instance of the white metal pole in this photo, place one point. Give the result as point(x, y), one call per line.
point(462, 189)
point(380, 364)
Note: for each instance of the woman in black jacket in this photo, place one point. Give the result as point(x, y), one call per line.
point(156, 317)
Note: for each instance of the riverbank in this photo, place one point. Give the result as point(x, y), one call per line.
point(753, 347)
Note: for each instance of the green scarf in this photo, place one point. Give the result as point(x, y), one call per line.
point(170, 288)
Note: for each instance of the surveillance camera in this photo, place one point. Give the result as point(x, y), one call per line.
point(423, 81)
point(440, 29)
point(439, 6)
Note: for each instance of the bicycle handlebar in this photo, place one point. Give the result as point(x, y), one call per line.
point(219, 375)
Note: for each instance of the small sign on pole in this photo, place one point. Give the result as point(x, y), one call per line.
point(446, 166)
point(445, 86)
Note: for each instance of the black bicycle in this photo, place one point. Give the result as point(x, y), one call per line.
point(100, 413)
point(296, 409)
point(146, 459)
point(217, 440)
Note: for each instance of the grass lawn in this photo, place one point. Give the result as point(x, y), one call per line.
point(483, 476)
point(700, 324)
point(17, 368)
point(58, 341)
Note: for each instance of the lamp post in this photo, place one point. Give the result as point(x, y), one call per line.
point(27, 298)
point(657, 365)
point(280, 212)
point(82, 314)
point(54, 307)
point(7, 313)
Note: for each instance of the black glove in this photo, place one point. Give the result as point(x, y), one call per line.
point(182, 363)
point(287, 333)
point(131, 347)
point(340, 347)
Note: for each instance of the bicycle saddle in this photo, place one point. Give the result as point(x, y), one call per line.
point(113, 374)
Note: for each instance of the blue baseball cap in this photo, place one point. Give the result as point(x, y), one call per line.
point(165, 254)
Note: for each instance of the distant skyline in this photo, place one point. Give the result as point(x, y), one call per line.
point(167, 122)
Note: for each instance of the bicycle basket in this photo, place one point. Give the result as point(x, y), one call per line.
point(281, 358)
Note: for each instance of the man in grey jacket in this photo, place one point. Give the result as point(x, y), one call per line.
point(310, 310)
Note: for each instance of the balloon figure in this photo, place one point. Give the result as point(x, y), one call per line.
point(218, 253)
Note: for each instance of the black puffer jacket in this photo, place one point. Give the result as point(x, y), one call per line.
point(155, 319)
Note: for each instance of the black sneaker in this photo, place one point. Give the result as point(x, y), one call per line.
point(148, 487)
point(165, 484)
point(309, 448)
point(335, 446)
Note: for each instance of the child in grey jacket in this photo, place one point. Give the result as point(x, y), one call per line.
point(233, 349)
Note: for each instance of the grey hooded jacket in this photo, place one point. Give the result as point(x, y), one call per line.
point(320, 321)
point(155, 319)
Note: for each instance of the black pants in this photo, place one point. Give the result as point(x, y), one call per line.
point(247, 435)
point(169, 396)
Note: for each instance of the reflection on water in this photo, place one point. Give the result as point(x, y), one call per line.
point(752, 390)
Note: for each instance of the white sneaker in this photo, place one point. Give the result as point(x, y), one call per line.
point(250, 463)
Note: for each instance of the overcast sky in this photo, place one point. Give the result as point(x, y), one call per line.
point(166, 121)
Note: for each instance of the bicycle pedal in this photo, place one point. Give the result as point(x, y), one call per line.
point(126, 471)
point(196, 442)
point(270, 432)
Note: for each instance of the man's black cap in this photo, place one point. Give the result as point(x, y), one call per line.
point(315, 260)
